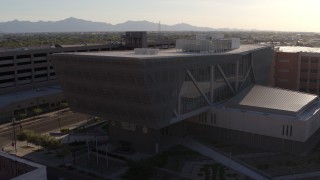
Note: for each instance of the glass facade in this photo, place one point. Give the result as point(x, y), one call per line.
point(206, 85)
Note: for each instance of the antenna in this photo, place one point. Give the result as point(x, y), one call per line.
point(159, 34)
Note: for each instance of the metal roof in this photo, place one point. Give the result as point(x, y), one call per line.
point(272, 100)
point(299, 49)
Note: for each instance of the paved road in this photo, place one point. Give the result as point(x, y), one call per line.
point(42, 125)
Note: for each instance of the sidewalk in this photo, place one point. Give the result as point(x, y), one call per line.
point(34, 118)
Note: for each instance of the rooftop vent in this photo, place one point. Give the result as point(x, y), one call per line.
point(146, 51)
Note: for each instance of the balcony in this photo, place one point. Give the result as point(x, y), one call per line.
point(23, 60)
point(39, 58)
point(9, 84)
point(27, 81)
point(41, 72)
point(40, 79)
point(6, 62)
point(7, 77)
point(24, 74)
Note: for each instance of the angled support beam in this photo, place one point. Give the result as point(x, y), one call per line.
point(179, 103)
point(246, 77)
point(237, 77)
point(225, 78)
point(196, 85)
point(175, 112)
point(211, 82)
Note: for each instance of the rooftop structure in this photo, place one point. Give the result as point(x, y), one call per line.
point(208, 44)
point(295, 49)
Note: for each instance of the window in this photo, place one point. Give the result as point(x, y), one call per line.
point(213, 118)
point(303, 80)
point(284, 60)
point(283, 80)
point(283, 70)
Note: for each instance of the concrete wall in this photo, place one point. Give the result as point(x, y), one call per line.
point(284, 127)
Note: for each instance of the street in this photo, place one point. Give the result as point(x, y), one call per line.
point(42, 125)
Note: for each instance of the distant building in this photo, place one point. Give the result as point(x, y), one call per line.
point(28, 80)
point(208, 44)
point(135, 39)
point(297, 68)
point(16, 168)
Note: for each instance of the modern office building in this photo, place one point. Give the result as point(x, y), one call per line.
point(28, 80)
point(150, 97)
point(16, 168)
point(297, 68)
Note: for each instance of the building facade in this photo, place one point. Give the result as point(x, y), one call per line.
point(153, 98)
point(28, 80)
point(297, 68)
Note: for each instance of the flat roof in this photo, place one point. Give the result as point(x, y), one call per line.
point(14, 97)
point(165, 53)
point(272, 100)
point(298, 49)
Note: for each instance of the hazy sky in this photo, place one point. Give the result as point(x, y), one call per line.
point(283, 15)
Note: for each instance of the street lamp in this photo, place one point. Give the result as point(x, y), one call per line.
point(14, 133)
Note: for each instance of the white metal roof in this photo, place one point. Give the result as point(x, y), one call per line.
point(298, 49)
point(272, 100)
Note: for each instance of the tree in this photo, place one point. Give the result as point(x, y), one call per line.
point(37, 110)
point(25, 135)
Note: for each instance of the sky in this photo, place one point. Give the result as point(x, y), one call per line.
point(278, 15)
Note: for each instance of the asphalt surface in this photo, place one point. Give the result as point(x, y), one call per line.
point(41, 125)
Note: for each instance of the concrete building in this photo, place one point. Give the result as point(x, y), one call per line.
point(28, 80)
point(16, 168)
point(297, 68)
point(150, 98)
point(135, 39)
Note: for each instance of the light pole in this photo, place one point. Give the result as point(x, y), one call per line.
point(14, 133)
point(59, 124)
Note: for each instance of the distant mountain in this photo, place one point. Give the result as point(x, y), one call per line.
point(78, 25)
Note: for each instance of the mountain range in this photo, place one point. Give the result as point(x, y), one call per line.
point(79, 25)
